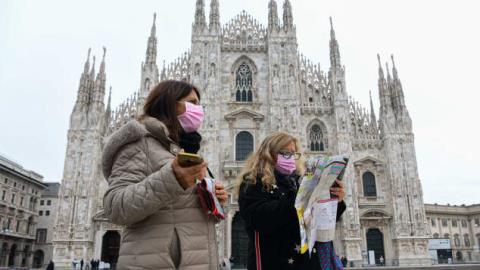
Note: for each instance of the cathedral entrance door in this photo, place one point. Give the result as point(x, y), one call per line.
point(239, 243)
point(38, 258)
point(110, 248)
point(375, 243)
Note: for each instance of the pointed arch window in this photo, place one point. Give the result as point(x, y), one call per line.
point(243, 145)
point(147, 84)
point(369, 186)
point(212, 70)
point(243, 83)
point(317, 138)
point(196, 71)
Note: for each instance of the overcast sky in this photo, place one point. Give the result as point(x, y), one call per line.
point(43, 46)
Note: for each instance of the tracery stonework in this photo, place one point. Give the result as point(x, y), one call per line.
point(253, 79)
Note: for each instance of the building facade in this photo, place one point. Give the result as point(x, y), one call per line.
point(20, 193)
point(254, 81)
point(459, 224)
point(47, 213)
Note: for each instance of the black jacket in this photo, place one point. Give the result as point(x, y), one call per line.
point(50, 266)
point(272, 225)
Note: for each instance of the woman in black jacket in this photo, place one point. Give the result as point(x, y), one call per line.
point(267, 189)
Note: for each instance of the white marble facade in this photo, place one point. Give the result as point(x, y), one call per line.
point(254, 81)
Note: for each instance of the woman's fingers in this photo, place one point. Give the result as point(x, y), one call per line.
point(340, 183)
point(220, 192)
point(196, 169)
point(339, 191)
point(187, 175)
point(219, 185)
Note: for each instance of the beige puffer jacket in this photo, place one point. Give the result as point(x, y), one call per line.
point(165, 228)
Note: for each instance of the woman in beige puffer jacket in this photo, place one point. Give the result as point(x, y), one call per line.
point(151, 195)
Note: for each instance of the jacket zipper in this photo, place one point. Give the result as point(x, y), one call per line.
point(208, 242)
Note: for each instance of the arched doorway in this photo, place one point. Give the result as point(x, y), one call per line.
point(3, 255)
point(459, 256)
point(38, 257)
point(110, 248)
point(26, 254)
point(375, 243)
point(239, 243)
point(11, 256)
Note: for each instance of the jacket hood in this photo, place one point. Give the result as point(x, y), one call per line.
point(131, 132)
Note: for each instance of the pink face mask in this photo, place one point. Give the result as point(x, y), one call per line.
point(285, 165)
point(192, 118)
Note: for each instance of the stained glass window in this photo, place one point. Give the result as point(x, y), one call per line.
point(244, 83)
point(317, 139)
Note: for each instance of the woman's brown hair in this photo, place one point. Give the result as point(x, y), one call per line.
point(161, 103)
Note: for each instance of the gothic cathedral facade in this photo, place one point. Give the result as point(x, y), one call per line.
point(253, 82)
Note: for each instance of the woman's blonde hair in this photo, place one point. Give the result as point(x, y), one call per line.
point(262, 161)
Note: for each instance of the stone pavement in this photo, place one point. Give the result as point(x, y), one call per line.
point(433, 267)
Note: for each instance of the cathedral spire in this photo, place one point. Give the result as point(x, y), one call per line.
point(398, 98)
point(99, 88)
point(287, 15)
point(82, 93)
point(108, 112)
point(382, 85)
point(151, 54)
point(153, 31)
point(390, 87)
point(334, 49)
point(380, 69)
point(383, 92)
point(92, 70)
point(373, 118)
point(214, 16)
point(200, 20)
point(332, 31)
point(87, 63)
point(394, 69)
point(272, 15)
point(102, 64)
point(149, 75)
point(389, 78)
point(91, 83)
point(109, 102)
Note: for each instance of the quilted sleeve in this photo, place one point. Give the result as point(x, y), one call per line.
point(132, 195)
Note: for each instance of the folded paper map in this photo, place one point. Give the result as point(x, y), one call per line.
point(316, 210)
